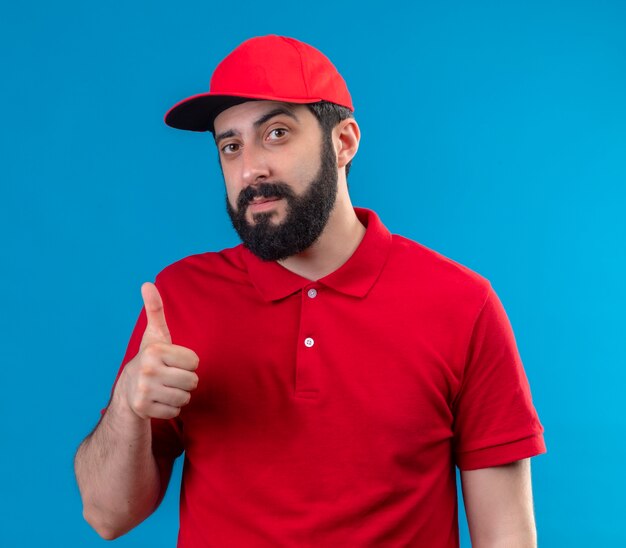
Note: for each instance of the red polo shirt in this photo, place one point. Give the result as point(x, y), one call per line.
point(333, 413)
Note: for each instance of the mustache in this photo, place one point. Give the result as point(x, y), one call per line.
point(263, 190)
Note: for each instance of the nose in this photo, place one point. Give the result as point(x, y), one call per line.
point(255, 168)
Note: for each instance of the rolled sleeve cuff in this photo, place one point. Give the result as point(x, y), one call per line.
point(501, 454)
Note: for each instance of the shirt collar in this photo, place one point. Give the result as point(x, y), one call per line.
point(355, 277)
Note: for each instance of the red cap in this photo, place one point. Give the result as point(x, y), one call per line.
point(270, 68)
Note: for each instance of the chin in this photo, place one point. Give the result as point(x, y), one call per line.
point(270, 217)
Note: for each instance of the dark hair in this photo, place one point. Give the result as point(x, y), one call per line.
point(329, 115)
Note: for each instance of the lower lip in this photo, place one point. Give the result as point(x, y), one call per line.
point(263, 206)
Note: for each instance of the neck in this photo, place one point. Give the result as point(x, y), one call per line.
point(340, 238)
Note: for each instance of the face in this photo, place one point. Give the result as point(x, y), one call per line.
point(280, 175)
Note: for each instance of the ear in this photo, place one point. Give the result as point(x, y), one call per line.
point(346, 137)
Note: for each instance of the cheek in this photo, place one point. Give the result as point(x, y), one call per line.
point(305, 170)
point(232, 198)
point(232, 192)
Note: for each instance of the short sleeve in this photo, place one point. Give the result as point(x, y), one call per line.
point(495, 421)
point(166, 434)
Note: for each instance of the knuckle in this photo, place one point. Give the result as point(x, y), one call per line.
point(194, 381)
point(175, 412)
point(148, 368)
point(140, 406)
point(149, 351)
point(153, 351)
point(191, 358)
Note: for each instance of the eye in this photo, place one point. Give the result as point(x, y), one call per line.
point(230, 148)
point(276, 134)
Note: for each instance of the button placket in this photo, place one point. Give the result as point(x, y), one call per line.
point(307, 358)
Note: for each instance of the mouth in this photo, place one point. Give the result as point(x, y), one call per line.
point(260, 203)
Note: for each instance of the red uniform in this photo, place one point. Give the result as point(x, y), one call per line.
point(333, 413)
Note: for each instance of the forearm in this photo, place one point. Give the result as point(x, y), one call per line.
point(117, 474)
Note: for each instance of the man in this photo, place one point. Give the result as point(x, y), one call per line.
point(325, 377)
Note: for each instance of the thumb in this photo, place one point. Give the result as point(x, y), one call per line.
point(156, 329)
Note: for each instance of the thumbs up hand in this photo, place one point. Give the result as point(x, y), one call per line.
point(158, 381)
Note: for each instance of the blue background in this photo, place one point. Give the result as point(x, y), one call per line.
point(493, 132)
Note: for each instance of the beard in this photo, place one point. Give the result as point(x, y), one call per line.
point(306, 217)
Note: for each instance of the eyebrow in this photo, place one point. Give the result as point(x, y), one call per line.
point(277, 111)
point(257, 123)
point(224, 135)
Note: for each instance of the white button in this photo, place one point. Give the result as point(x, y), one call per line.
point(312, 293)
point(309, 342)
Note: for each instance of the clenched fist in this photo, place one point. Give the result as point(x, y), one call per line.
point(158, 381)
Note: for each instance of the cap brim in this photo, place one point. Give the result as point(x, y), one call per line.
point(197, 113)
